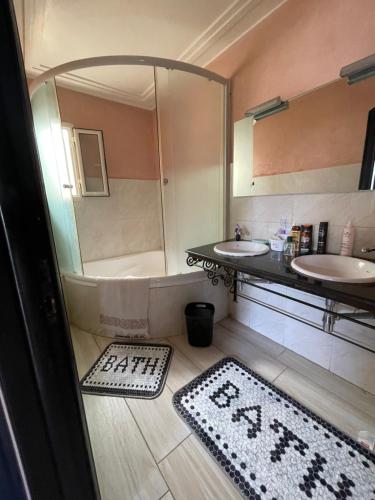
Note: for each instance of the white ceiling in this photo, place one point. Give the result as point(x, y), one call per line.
point(53, 32)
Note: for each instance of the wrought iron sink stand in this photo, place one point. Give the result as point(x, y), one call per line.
point(234, 281)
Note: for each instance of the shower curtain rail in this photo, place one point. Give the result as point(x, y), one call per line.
point(123, 60)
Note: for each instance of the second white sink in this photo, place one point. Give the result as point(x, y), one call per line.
point(240, 248)
point(336, 268)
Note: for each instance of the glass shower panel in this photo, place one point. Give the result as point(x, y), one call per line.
point(191, 142)
point(56, 180)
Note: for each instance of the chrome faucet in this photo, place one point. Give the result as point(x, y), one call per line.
point(367, 250)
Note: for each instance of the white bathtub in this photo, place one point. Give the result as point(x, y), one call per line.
point(167, 298)
point(139, 265)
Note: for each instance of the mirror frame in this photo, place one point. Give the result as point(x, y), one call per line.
point(367, 177)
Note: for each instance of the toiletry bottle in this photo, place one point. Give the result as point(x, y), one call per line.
point(306, 239)
point(322, 238)
point(296, 235)
point(289, 247)
point(347, 239)
point(282, 231)
point(237, 233)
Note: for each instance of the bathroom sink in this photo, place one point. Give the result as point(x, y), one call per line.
point(336, 268)
point(240, 248)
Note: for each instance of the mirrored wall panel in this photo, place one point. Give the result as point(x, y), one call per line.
point(316, 145)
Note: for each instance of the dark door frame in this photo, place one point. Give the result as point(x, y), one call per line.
point(45, 442)
point(368, 160)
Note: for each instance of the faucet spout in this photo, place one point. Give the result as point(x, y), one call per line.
point(367, 250)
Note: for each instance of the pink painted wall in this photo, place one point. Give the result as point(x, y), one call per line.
point(325, 128)
point(130, 138)
point(302, 45)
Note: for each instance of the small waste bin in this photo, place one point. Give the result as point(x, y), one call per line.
point(199, 323)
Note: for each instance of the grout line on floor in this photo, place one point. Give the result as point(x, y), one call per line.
point(145, 440)
point(252, 343)
point(282, 352)
point(140, 430)
point(277, 376)
point(175, 448)
point(165, 494)
point(190, 359)
point(148, 447)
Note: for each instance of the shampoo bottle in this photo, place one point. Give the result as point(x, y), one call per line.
point(347, 239)
point(322, 237)
point(296, 235)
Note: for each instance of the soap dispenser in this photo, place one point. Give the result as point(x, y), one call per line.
point(347, 239)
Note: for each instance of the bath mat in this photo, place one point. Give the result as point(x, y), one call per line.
point(129, 370)
point(269, 445)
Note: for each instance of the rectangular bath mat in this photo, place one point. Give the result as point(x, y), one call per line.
point(129, 370)
point(268, 444)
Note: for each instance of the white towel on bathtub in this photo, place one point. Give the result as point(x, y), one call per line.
point(123, 307)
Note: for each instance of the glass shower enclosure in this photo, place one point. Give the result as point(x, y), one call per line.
point(55, 172)
point(192, 160)
point(191, 120)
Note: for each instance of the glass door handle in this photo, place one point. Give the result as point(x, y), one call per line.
point(68, 186)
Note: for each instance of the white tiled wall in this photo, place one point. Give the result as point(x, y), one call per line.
point(128, 221)
point(340, 357)
point(259, 218)
point(260, 215)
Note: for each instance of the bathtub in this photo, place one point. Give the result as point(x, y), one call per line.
point(168, 295)
point(139, 265)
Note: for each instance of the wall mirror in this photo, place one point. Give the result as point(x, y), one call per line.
point(313, 145)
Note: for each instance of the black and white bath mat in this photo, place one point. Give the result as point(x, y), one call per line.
point(271, 446)
point(129, 370)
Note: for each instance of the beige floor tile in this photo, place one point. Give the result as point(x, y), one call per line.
point(191, 473)
point(202, 357)
point(120, 428)
point(160, 425)
point(86, 350)
point(167, 496)
point(324, 403)
point(354, 364)
point(358, 397)
point(124, 465)
point(103, 342)
point(269, 346)
point(256, 359)
point(181, 371)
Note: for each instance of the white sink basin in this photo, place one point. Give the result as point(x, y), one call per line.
point(335, 268)
point(240, 248)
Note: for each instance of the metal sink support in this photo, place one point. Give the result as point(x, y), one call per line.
point(331, 315)
point(233, 279)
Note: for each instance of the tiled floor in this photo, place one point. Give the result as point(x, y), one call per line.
point(142, 449)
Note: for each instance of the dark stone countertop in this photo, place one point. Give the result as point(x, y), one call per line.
point(273, 267)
